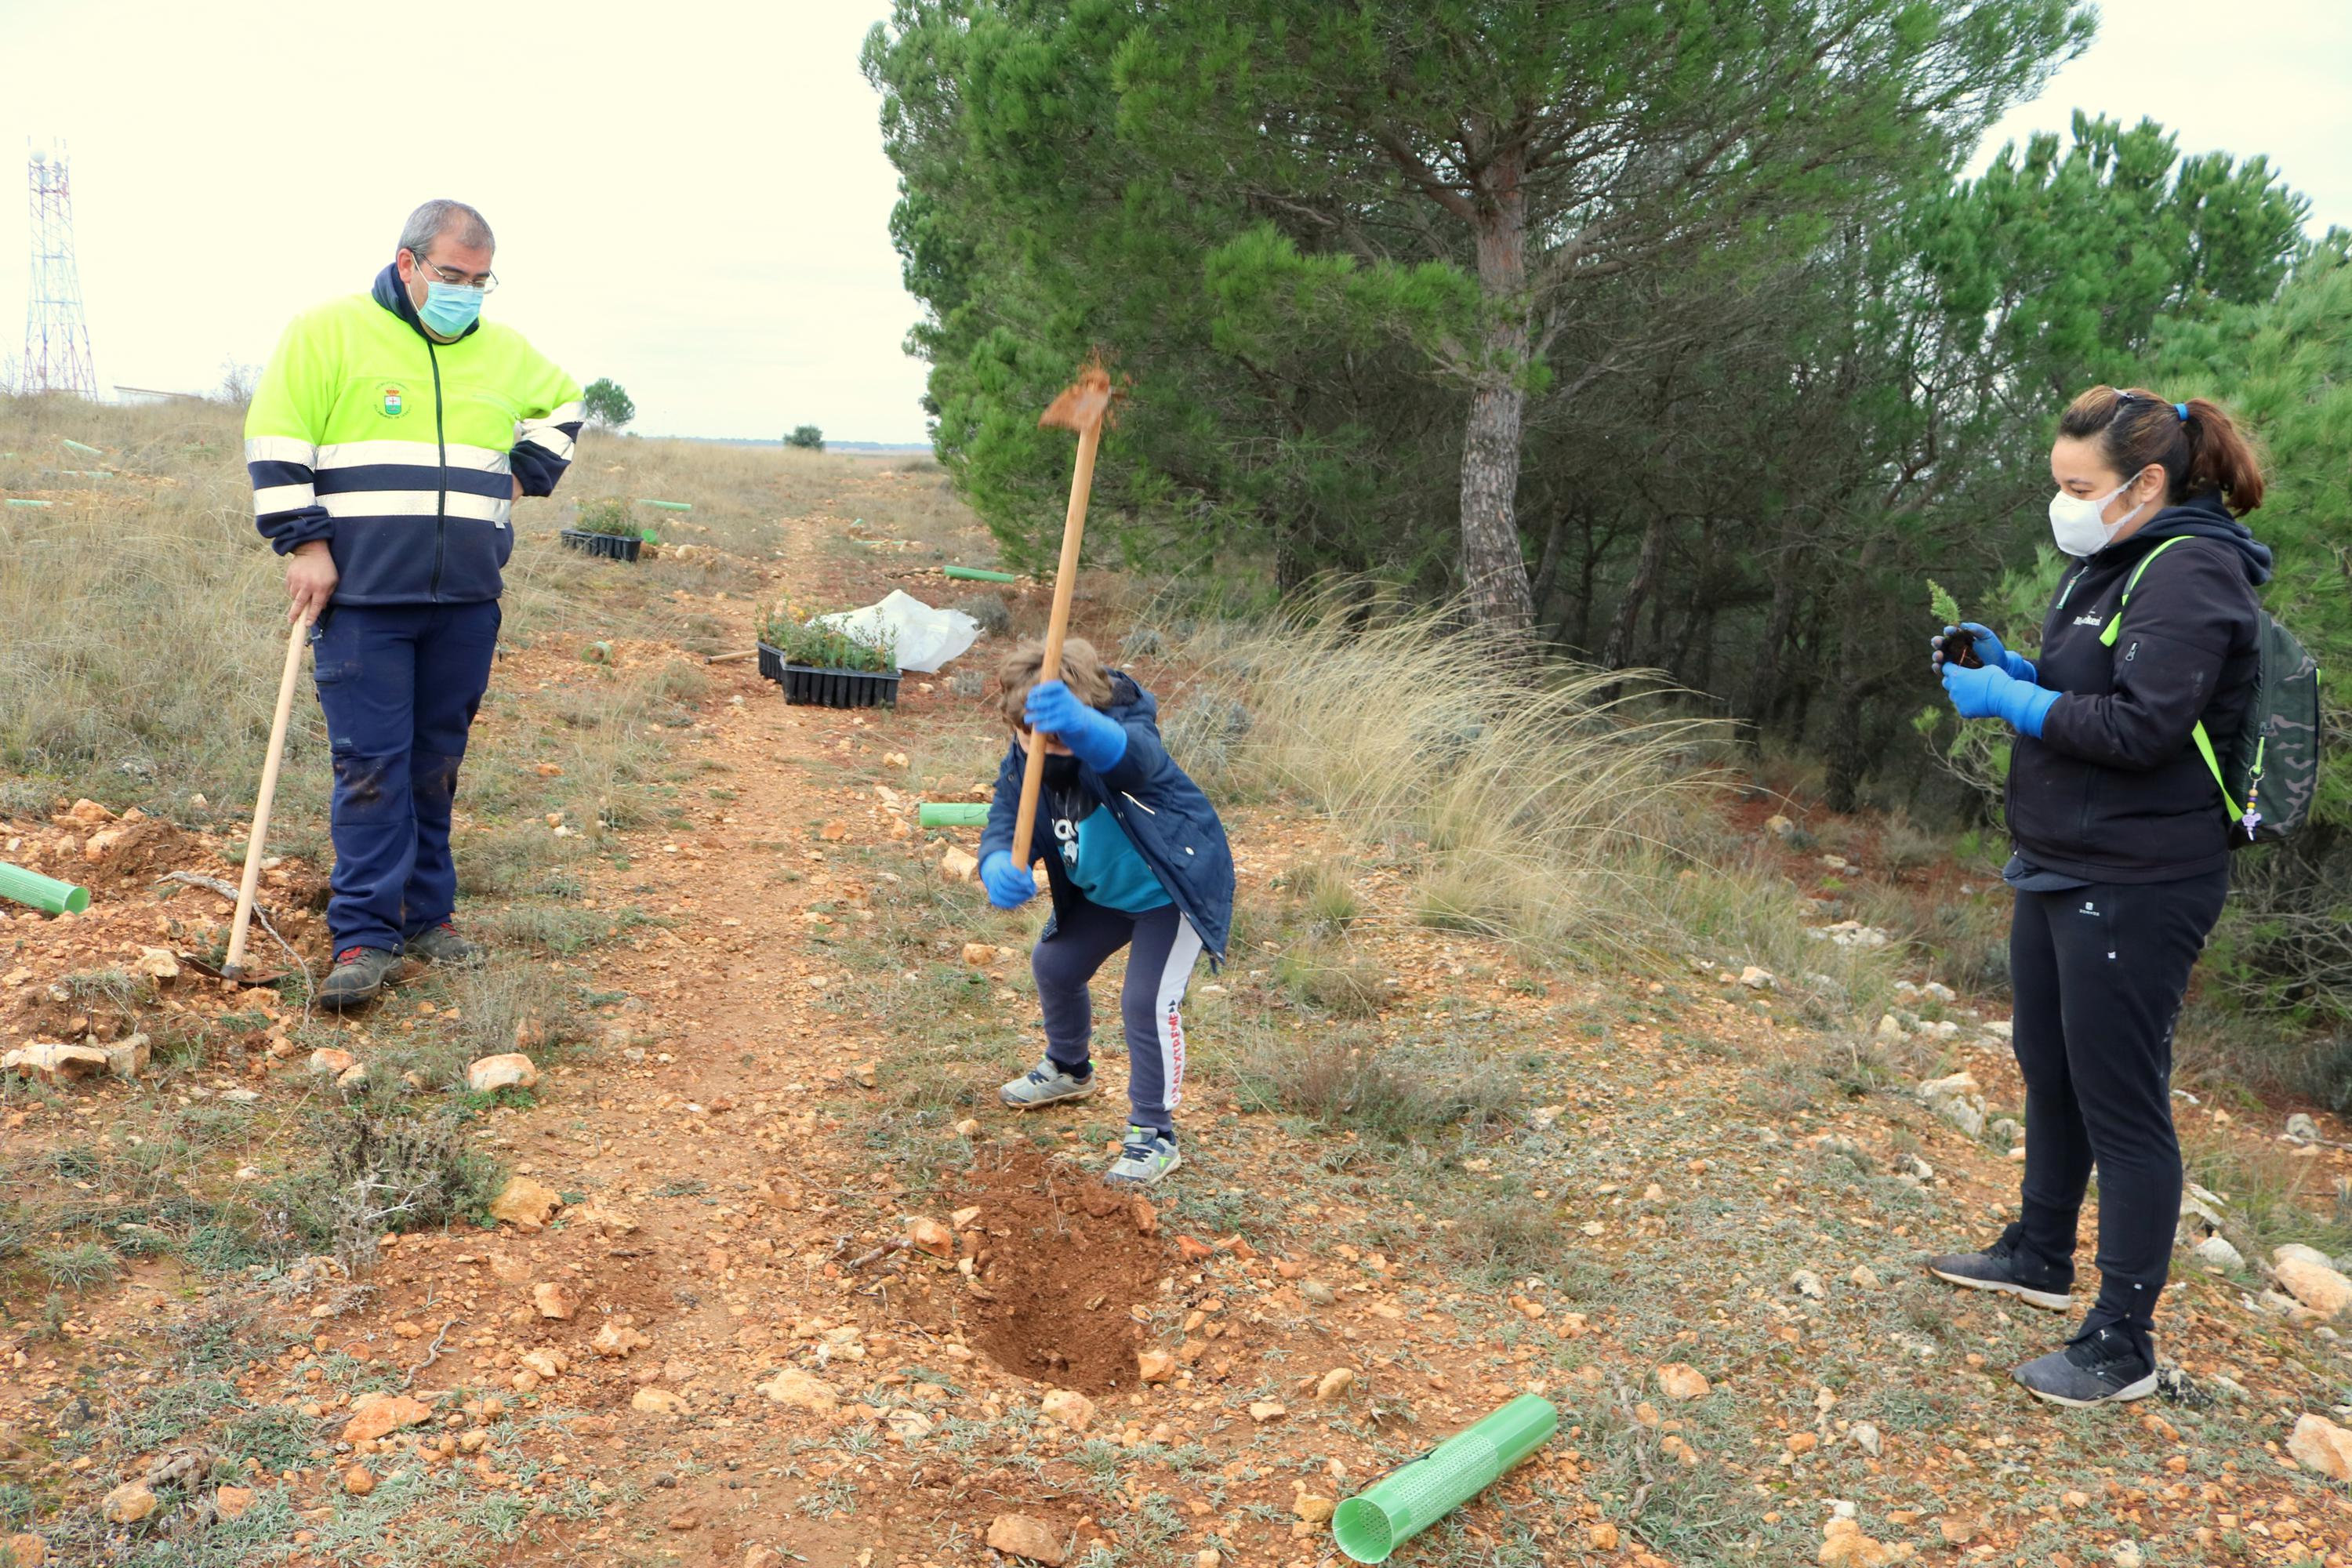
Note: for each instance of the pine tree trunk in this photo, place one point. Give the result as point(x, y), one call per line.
point(1618, 651)
point(1764, 674)
point(1493, 566)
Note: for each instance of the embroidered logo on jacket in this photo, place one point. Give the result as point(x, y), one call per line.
point(392, 401)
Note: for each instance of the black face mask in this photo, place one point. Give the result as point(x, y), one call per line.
point(1062, 773)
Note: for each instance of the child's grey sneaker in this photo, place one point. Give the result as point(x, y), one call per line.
point(1045, 1084)
point(1145, 1160)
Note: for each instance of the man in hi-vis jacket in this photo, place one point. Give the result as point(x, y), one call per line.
point(391, 436)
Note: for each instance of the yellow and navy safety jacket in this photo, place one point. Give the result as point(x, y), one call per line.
point(400, 452)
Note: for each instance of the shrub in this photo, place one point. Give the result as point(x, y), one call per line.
point(1333, 979)
point(807, 438)
point(1400, 1095)
point(386, 1170)
point(994, 616)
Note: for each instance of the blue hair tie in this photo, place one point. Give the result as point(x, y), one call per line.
point(2181, 409)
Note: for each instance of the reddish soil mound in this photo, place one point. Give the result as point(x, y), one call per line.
point(1063, 1262)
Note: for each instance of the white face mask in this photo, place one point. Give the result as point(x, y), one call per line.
point(2076, 525)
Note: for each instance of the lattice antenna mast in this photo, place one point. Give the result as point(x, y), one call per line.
point(56, 340)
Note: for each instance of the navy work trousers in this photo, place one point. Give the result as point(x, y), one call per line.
point(399, 685)
point(2098, 972)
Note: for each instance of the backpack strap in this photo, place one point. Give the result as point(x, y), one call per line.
point(2115, 622)
point(2213, 764)
point(2204, 742)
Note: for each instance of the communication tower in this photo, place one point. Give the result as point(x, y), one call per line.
point(56, 340)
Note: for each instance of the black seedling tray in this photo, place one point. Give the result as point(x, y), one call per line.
point(829, 688)
point(619, 547)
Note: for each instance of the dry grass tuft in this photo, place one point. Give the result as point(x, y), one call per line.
point(1551, 805)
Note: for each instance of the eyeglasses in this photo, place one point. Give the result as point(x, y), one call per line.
point(489, 280)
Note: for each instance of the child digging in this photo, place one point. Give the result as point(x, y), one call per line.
point(1135, 858)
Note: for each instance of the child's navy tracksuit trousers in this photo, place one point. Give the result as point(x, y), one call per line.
point(1161, 947)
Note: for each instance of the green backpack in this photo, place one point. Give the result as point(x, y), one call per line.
point(2273, 764)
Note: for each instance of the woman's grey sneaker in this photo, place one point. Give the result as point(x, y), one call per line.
point(1999, 1268)
point(441, 944)
point(358, 978)
point(1145, 1160)
point(2095, 1369)
point(1045, 1084)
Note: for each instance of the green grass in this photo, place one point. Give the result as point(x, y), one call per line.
point(80, 1267)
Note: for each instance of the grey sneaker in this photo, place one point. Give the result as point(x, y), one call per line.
point(2093, 1370)
point(1999, 1268)
point(358, 978)
point(1147, 1158)
point(1047, 1083)
point(441, 944)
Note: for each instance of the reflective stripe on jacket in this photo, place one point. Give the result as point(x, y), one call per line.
point(402, 453)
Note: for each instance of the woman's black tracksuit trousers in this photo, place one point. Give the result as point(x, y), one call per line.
point(2098, 972)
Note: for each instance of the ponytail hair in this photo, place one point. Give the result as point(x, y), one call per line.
point(2202, 449)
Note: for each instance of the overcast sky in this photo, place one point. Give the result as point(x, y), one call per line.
point(690, 198)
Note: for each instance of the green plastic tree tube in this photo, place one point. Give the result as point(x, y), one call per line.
point(978, 574)
point(82, 447)
point(667, 505)
point(46, 894)
point(952, 814)
point(1406, 1501)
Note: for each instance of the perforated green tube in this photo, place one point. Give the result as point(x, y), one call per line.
point(46, 894)
point(977, 574)
point(1405, 1502)
point(952, 814)
point(667, 505)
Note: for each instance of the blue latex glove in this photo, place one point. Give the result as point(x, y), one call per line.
point(1991, 693)
point(1987, 649)
point(1009, 886)
point(1094, 738)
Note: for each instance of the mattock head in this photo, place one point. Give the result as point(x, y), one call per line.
point(1084, 403)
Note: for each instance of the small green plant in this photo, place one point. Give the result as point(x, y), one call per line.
point(610, 517)
point(1940, 602)
point(827, 647)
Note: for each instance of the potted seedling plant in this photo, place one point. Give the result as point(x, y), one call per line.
point(605, 528)
point(826, 666)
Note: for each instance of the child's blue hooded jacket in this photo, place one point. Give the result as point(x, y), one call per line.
point(1160, 809)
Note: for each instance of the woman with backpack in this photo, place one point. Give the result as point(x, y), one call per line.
point(2122, 839)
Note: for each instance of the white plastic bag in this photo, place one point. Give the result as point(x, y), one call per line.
point(924, 638)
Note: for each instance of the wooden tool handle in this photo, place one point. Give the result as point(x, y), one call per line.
point(1058, 627)
point(262, 799)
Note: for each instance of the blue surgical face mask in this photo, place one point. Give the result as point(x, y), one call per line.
point(450, 308)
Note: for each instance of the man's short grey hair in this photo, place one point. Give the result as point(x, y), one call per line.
point(455, 219)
